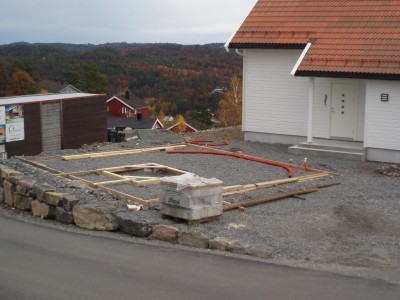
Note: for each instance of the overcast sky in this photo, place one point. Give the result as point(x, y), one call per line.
point(132, 21)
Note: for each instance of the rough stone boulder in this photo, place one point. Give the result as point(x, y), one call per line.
point(69, 201)
point(132, 223)
point(2, 195)
point(22, 202)
point(40, 191)
point(96, 216)
point(165, 233)
point(54, 198)
point(43, 210)
point(193, 239)
point(223, 244)
point(64, 216)
point(25, 187)
point(6, 173)
point(9, 190)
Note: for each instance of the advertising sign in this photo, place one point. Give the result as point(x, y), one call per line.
point(14, 123)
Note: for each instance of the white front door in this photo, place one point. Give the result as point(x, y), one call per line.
point(343, 110)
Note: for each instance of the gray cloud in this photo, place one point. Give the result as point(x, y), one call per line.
point(100, 21)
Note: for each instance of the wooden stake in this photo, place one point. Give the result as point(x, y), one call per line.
point(228, 191)
point(252, 202)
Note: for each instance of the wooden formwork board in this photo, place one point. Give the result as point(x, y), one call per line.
point(124, 196)
point(112, 173)
point(121, 152)
point(115, 178)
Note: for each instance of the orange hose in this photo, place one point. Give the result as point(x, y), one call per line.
point(250, 158)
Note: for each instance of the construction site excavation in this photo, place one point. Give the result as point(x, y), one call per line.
point(316, 212)
point(134, 175)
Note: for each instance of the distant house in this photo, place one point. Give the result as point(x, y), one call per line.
point(319, 73)
point(121, 123)
point(186, 128)
point(168, 118)
point(70, 89)
point(127, 106)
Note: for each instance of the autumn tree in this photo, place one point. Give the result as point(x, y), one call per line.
point(230, 106)
point(180, 121)
point(20, 83)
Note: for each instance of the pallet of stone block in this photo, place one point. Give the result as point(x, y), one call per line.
point(192, 222)
point(191, 214)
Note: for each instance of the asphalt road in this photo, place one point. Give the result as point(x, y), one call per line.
point(39, 262)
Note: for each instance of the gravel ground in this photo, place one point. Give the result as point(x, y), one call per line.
point(352, 228)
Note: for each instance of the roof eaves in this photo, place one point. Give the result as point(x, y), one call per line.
point(228, 42)
point(116, 98)
point(267, 46)
point(356, 75)
point(157, 121)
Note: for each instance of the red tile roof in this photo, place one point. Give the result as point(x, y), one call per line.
point(347, 36)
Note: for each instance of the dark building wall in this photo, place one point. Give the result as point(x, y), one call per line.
point(84, 121)
point(32, 144)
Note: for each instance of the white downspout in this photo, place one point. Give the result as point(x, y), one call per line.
point(310, 94)
point(310, 109)
point(296, 66)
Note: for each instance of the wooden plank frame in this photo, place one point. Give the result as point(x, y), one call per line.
point(116, 178)
point(121, 152)
point(112, 173)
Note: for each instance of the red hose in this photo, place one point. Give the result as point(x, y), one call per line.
point(209, 143)
point(259, 160)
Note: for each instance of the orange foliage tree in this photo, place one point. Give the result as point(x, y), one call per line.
point(20, 83)
point(181, 127)
point(230, 107)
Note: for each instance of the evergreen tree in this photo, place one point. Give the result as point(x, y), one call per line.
point(202, 114)
point(93, 80)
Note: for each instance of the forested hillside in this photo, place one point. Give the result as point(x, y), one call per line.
point(173, 78)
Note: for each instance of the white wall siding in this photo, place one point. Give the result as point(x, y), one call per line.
point(382, 119)
point(361, 111)
point(274, 101)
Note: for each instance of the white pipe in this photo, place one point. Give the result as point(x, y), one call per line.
point(239, 53)
point(310, 110)
point(296, 66)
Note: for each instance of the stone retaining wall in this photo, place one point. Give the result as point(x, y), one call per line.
point(42, 200)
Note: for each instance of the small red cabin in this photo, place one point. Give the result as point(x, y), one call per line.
point(128, 106)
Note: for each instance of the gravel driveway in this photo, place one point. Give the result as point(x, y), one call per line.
point(352, 228)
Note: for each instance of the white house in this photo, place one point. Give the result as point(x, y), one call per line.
point(317, 72)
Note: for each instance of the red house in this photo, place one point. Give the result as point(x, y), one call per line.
point(182, 127)
point(127, 106)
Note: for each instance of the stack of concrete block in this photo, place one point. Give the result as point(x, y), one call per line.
point(191, 197)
